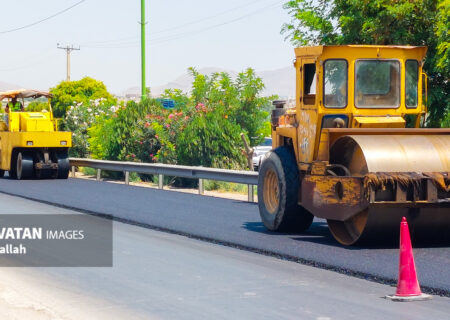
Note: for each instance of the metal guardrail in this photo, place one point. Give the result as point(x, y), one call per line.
point(249, 178)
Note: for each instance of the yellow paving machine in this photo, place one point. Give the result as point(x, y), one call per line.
point(30, 144)
point(352, 151)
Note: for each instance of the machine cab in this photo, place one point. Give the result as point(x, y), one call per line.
point(352, 86)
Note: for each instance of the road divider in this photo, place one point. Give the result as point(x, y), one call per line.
point(250, 178)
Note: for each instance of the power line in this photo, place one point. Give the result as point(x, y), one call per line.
point(128, 39)
point(131, 44)
point(206, 18)
point(45, 19)
point(180, 35)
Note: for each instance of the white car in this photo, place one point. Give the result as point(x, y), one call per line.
point(260, 151)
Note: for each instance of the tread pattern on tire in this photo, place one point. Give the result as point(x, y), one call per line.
point(290, 216)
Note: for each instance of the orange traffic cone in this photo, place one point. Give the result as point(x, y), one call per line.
point(408, 288)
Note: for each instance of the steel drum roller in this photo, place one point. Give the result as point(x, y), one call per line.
point(363, 154)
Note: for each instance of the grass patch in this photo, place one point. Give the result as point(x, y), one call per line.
point(88, 171)
point(222, 186)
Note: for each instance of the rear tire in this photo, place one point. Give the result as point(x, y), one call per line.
point(12, 171)
point(24, 165)
point(278, 188)
point(63, 165)
point(2, 173)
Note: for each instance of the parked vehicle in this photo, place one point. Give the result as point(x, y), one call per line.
point(260, 151)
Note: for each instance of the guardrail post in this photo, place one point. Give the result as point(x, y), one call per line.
point(160, 181)
point(127, 177)
point(99, 174)
point(251, 197)
point(73, 171)
point(201, 187)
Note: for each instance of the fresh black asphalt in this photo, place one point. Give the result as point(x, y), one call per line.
point(232, 223)
point(158, 275)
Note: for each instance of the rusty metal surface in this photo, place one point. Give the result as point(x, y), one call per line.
point(409, 186)
point(337, 198)
point(41, 166)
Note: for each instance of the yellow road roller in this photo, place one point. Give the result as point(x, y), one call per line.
point(352, 152)
point(30, 144)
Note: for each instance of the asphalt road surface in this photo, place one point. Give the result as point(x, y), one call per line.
point(158, 275)
point(233, 223)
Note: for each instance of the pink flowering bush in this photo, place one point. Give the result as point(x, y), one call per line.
point(202, 130)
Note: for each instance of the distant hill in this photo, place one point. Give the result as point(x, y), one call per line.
point(4, 86)
point(280, 82)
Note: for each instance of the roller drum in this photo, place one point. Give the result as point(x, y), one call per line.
point(363, 154)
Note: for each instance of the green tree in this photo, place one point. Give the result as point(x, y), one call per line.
point(37, 106)
point(69, 93)
point(240, 99)
point(384, 22)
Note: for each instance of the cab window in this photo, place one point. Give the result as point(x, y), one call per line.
point(377, 84)
point(309, 84)
point(335, 83)
point(411, 82)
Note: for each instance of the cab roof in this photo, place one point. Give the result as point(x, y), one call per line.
point(24, 93)
point(315, 51)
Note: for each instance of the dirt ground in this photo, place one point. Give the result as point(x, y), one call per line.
point(218, 194)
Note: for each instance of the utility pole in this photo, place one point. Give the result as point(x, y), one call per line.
point(143, 23)
point(68, 51)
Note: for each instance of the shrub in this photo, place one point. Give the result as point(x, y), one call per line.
point(69, 93)
point(79, 118)
point(202, 130)
point(118, 137)
point(211, 140)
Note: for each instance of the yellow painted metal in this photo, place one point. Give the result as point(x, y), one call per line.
point(29, 130)
point(310, 108)
point(309, 51)
point(11, 140)
point(36, 121)
point(289, 132)
point(307, 131)
point(14, 121)
point(378, 122)
point(367, 139)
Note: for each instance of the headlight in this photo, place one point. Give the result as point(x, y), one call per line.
point(29, 143)
point(63, 143)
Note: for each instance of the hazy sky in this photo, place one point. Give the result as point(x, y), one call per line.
point(233, 34)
